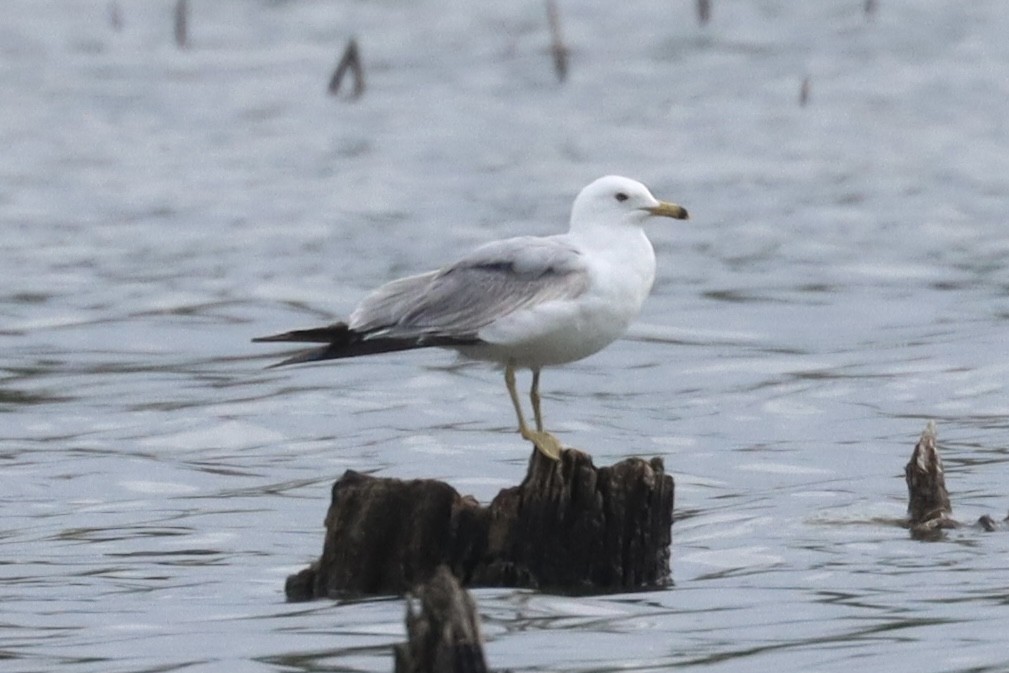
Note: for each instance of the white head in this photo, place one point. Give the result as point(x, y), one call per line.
point(616, 200)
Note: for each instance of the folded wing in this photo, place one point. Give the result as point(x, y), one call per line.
point(450, 306)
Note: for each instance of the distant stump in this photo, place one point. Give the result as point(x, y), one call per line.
point(929, 512)
point(928, 506)
point(569, 527)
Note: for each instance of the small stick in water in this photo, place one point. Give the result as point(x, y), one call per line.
point(115, 16)
point(703, 11)
point(350, 61)
point(557, 48)
point(870, 8)
point(181, 23)
point(807, 84)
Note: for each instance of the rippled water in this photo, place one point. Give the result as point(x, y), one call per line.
point(844, 278)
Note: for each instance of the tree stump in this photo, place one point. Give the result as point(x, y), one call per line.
point(569, 527)
point(929, 512)
point(928, 508)
point(444, 637)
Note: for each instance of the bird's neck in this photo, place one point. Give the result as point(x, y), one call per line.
point(613, 239)
point(624, 250)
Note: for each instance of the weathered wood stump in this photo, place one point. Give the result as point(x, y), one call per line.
point(929, 512)
point(569, 526)
point(444, 637)
point(928, 508)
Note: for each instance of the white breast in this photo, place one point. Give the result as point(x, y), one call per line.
point(621, 269)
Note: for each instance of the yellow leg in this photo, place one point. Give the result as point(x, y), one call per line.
point(510, 382)
point(544, 442)
point(534, 396)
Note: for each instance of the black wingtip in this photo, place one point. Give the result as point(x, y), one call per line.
point(339, 342)
point(328, 334)
point(311, 355)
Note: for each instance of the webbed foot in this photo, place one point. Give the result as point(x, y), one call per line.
point(545, 443)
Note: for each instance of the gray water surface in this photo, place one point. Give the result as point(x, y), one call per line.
point(845, 278)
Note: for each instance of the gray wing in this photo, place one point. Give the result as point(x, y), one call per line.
point(492, 281)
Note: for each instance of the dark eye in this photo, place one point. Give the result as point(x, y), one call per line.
point(620, 196)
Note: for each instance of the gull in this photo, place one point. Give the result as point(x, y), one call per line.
point(522, 303)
